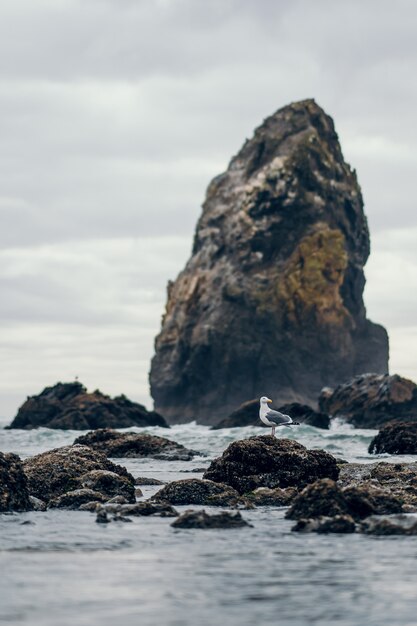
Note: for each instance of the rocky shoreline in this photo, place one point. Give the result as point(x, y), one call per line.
point(319, 493)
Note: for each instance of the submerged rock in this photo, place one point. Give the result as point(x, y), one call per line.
point(337, 524)
point(201, 519)
point(53, 473)
point(133, 445)
point(271, 298)
point(390, 525)
point(195, 491)
point(248, 415)
point(160, 509)
point(371, 400)
point(14, 494)
point(395, 438)
point(269, 462)
point(325, 498)
point(69, 406)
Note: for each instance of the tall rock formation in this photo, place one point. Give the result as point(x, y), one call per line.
point(270, 302)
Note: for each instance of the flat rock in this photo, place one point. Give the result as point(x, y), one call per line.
point(390, 525)
point(248, 415)
point(68, 406)
point(263, 496)
point(201, 519)
point(395, 438)
point(338, 524)
point(145, 509)
point(266, 461)
point(145, 480)
point(14, 494)
point(195, 491)
point(133, 445)
point(325, 498)
point(270, 300)
point(53, 473)
point(372, 400)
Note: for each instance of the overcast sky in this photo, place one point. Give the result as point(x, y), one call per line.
point(115, 115)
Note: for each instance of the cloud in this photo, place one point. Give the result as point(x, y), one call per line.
point(115, 115)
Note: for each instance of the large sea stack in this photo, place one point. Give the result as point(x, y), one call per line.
point(270, 301)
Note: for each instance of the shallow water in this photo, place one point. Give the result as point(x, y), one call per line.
point(60, 568)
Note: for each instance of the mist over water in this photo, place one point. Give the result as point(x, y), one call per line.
point(61, 568)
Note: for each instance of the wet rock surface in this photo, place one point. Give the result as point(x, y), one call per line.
point(248, 415)
point(337, 524)
point(390, 525)
point(263, 496)
point(53, 473)
point(147, 508)
point(14, 494)
point(109, 484)
point(325, 498)
point(195, 491)
point(395, 438)
point(76, 498)
point(201, 519)
point(119, 445)
point(68, 406)
point(372, 400)
point(266, 461)
point(271, 298)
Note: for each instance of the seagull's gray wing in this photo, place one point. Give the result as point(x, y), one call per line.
point(279, 418)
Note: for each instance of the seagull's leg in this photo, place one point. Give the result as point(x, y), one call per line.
point(273, 431)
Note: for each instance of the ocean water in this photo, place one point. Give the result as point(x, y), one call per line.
point(60, 568)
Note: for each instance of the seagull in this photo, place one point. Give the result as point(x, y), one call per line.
point(273, 418)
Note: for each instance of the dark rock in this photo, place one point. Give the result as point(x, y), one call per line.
point(390, 525)
point(102, 517)
point(145, 509)
point(92, 506)
point(144, 480)
point(337, 524)
point(263, 496)
point(371, 400)
point(14, 495)
point(248, 415)
point(201, 519)
point(195, 491)
point(109, 484)
point(68, 406)
point(325, 498)
point(395, 438)
point(133, 445)
point(269, 462)
point(270, 301)
point(75, 499)
point(400, 479)
point(58, 471)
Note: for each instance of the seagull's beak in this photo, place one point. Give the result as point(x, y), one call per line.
point(269, 400)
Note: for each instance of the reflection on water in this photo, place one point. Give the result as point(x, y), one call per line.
point(63, 569)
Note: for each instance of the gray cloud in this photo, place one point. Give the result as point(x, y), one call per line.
point(114, 116)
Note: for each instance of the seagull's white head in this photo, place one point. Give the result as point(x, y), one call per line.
point(265, 400)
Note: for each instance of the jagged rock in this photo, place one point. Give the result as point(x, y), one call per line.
point(269, 462)
point(68, 406)
point(109, 484)
point(337, 524)
point(75, 499)
point(145, 480)
point(133, 445)
point(263, 496)
point(325, 498)
point(371, 400)
point(195, 491)
point(271, 298)
point(14, 495)
point(248, 415)
point(53, 473)
point(390, 525)
point(201, 519)
point(395, 438)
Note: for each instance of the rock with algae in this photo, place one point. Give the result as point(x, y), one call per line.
point(271, 298)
